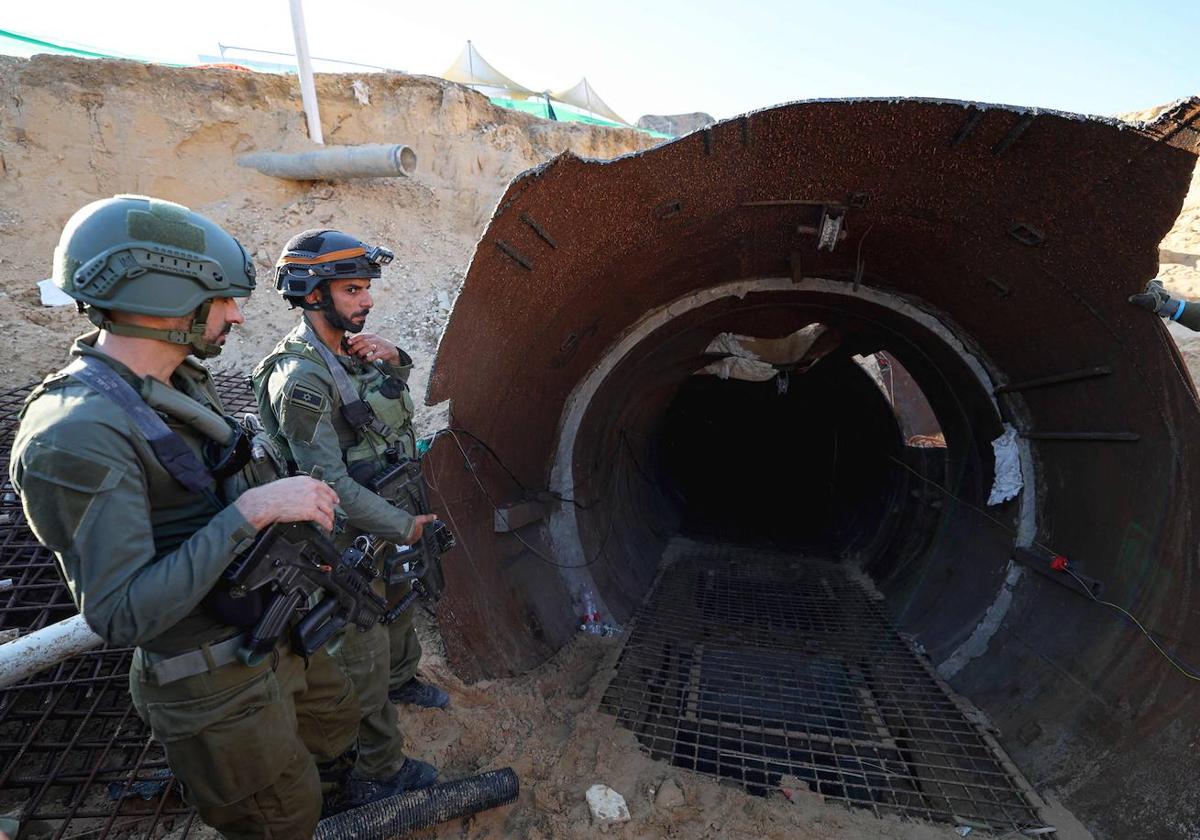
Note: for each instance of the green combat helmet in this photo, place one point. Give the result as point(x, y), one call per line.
point(136, 254)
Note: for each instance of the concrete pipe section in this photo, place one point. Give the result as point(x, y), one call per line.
point(962, 274)
point(336, 163)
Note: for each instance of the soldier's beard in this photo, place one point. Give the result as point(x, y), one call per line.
point(339, 321)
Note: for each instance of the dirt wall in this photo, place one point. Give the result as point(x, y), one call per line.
point(73, 130)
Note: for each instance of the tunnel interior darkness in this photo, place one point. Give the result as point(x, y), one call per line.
point(802, 461)
point(819, 466)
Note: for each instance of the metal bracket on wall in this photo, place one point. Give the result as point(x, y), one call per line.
point(1025, 234)
point(1099, 437)
point(831, 232)
point(539, 230)
point(668, 209)
point(974, 115)
point(511, 517)
point(1055, 379)
point(1014, 133)
point(1040, 562)
point(515, 255)
point(998, 287)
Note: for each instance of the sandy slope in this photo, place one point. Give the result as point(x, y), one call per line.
point(72, 131)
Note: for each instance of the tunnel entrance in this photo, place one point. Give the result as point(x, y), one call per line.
point(782, 672)
point(949, 235)
point(803, 460)
point(809, 507)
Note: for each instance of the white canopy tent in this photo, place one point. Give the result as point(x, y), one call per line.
point(470, 68)
point(583, 96)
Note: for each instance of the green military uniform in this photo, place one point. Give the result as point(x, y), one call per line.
point(139, 553)
point(300, 407)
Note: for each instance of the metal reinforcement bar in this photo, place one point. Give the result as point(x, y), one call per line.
point(756, 667)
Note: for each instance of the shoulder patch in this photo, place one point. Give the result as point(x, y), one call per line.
point(304, 397)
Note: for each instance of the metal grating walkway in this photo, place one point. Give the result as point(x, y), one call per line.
point(75, 759)
point(752, 666)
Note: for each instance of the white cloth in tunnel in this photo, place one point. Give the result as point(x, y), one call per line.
point(740, 367)
point(754, 359)
point(1008, 481)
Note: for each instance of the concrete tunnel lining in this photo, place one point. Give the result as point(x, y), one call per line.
point(563, 524)
point(975, 211)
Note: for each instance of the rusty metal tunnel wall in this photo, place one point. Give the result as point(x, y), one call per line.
point(991, 251)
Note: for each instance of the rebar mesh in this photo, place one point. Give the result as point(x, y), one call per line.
point(777, 671)
point(75, 759)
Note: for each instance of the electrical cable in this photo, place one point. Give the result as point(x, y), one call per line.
point(1169, 657)
point(1188, 672)
point(454, 435)
point(520, 484)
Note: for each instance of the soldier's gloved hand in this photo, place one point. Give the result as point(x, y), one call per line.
point(420, 521)
point(1156, 299)
point(295, 499)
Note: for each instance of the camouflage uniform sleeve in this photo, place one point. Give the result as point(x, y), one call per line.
point(85, 496)
point(402, 370)
point(301, 397)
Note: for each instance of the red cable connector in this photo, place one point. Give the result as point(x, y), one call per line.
point(1059, 563)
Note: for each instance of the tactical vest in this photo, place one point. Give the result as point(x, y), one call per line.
point(238, 454)
point(364, 448)
point(235, 454)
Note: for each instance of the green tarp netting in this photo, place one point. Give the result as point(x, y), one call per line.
point(12, 43)
point(565, 113)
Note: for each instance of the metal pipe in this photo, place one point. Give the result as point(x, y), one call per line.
point(308, 88)
point(335, 163)
point(44, 649)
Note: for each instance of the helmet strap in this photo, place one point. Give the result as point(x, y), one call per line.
point(192, 337)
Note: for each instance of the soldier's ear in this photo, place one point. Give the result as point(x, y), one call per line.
point(313, 297)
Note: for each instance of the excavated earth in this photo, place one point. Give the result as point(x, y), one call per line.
point(72, 131)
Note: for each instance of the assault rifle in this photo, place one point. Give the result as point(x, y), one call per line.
point(300, 563)
point(400, 483)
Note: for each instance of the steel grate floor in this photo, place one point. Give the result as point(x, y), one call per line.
point(75, 759)
point(752, 666)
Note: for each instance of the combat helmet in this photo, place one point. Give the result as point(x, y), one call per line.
point(130, 253)
point(314, 257)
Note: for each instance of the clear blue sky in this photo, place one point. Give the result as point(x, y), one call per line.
point(668, 56)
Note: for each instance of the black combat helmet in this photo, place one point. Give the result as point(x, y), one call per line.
point(316, 256)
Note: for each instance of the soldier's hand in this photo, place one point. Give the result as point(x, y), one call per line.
point(1156, 300)
point(295, 499)
point(420, 521)
point(371, 348)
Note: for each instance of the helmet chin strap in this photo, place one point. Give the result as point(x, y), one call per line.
point(325, 306)
point(192, 337)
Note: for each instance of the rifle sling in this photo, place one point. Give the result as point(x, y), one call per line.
point(176, 457)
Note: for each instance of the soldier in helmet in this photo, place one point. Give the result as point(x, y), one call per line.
point(131, 473)
point(300, 387)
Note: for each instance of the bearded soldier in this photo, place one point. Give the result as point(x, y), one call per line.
point(337, 398)
point(131, 473)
